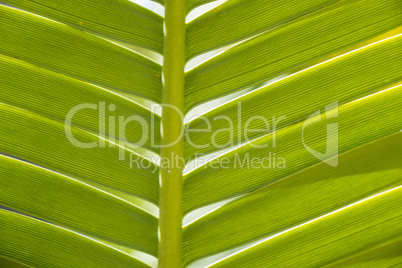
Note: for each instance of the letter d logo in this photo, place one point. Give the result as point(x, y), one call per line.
point(331, 152)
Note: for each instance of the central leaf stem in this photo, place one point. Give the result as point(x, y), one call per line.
point(170, 217)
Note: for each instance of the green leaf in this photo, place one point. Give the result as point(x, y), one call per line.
point(43, 141)
point(325, 240)
point(345, 78)
point(4, 262)
point(361, 121)
point(117, 19)
point(234, 21)
point(191, 4)
point(75, 205)
point(39, 90)
point(364, 171)
point(82, 185)
point(77, 53)
point(288, 48)
point(385, 255)
point(41, 244)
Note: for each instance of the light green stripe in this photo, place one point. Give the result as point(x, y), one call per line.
point(171, 176)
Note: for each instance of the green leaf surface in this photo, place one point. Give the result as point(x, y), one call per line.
point(43, 141)
point(41, 244)
point(325, 240)
point(191, 4)
point(7, 263)
point(75, 205)
point(236, 20)
point(362, 172)
point(322, 190)
point(70, 51)
point(383, 256)
point(55, 95)
point(280, 50)
point(118, 19)
point(345, 78)
point(360, 122)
